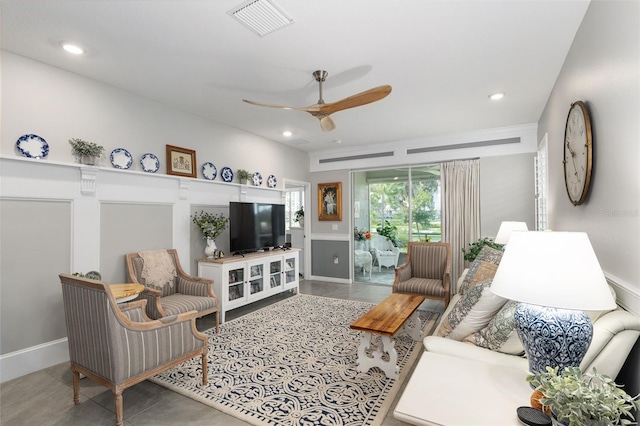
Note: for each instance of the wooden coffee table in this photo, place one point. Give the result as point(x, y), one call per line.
point(397, 313)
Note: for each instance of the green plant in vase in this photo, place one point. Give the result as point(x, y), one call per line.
point(578, 398)
point(86, 152)
point(471, 253)
point(211, 225)
point(243, 175)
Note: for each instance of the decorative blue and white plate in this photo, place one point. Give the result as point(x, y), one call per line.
point(272, 182)
point(226, 174)
point(121, 158)
point(150, 163)
point(32, 146)
point(209, 171)
point(257, 179)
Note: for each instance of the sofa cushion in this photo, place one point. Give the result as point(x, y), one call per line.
point(484, 267)
point(500, 334)
point(472, 312)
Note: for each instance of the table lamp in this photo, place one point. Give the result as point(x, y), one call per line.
point(506, 228)
point(555, 276)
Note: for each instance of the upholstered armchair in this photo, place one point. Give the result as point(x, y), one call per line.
point(385, 253)
point(169, 290)
point(118, 345)
point(427, 271)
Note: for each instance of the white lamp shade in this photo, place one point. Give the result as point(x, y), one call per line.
point(506, 228)
point(554, 269)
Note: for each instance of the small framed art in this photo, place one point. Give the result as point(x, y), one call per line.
point(181, 161)
point(330, 201)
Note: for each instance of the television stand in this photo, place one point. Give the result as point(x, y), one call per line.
point(249, 277)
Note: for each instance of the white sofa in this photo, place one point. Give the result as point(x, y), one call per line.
point(614, 334)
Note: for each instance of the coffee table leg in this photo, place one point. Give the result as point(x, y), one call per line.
point(384, 345)
point(413, 327)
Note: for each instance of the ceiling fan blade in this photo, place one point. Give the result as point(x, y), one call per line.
point(272, 105)
point(326, 123)
point(362, 98)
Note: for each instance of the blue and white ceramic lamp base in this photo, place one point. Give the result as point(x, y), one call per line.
point(553, 337)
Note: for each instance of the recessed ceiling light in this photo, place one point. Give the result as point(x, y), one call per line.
point(496, 96)
point(72, 48)
point(287, 133)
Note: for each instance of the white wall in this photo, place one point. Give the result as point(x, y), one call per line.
point(603, 70)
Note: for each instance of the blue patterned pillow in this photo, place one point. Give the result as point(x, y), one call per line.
point(500, 334)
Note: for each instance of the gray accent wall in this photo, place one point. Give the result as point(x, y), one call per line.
point(130, 228)
point(35, 248)
point(507, 192)
point(322, 252)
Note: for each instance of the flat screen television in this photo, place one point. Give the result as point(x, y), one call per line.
point(255, 226)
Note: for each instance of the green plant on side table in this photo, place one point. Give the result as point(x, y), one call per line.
point(86, 152)
point(577, 398)
point(474, 248)
point(243, 175)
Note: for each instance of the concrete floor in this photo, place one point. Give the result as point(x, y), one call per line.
point(46, 396)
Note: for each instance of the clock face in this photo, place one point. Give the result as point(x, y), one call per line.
point(577, 153)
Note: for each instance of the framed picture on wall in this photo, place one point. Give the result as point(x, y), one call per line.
point(181, 161)
point(330, 201)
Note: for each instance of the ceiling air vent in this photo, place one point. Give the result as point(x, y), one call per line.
point(357, 157)
point(261, 16)
point(464, 145)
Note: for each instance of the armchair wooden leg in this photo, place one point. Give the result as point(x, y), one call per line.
point(76, 385)
point(217, 322)
point(204, 369)
point(117, 392)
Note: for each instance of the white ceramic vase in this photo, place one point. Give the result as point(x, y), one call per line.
point(210, 249)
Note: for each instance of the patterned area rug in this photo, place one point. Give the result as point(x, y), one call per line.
point(294, 363)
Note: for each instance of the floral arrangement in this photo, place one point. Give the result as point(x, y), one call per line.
point(80, 147)
point(361, 234)
point(583, 398)
point(210, 224)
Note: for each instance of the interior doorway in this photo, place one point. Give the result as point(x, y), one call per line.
point(297, 196)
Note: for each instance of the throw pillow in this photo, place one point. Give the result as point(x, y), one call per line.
point(500, 334)
point(472, 313)
point(482, 268)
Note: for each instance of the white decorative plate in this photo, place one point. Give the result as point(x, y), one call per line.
point(150, 163)
point(272, 182)
point(257, 179)
point(121, 158)
point(32, 146)
point(226, 174)
point(209, 171)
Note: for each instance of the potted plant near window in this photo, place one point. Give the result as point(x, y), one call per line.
point(243, 175)
point(298, 216)
point(390, 231)
point(85, 152)
point(211, 225)
point(577, 398)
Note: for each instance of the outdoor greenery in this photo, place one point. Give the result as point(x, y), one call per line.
point(211, 225)
point(584, 398)
point(391, 206)
point(81, 147)
point(471, 253)
point(390, 231)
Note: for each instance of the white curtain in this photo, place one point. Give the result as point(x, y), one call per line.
point(460, 210)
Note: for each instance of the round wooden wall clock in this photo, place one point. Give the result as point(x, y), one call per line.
point(577, 153)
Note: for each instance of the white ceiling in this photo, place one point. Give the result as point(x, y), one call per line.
point(442, 58)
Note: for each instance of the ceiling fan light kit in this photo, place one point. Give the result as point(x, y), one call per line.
point(322, 110)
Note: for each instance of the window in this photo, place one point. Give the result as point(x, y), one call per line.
point(541, 170)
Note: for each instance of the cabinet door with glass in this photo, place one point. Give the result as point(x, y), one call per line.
point(256, 278)
point(291, 270)
point(275, 275)
point(236, 284)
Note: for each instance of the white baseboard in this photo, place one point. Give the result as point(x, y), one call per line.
point(330, 279)
point(29, 360)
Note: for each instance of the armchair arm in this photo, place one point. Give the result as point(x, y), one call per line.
point(154, 307)
point(403, 273)
point(195, 286)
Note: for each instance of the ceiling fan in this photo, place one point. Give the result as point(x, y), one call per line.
point(322, 110)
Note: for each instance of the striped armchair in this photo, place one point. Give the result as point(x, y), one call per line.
point(119, 345)
point(427, 271)
point(183, 293)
